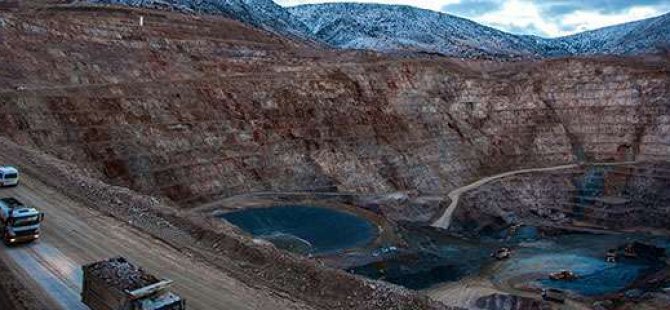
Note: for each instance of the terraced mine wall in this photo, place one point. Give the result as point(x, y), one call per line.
point(629, 196)
point(174, 110)
point(403, 127)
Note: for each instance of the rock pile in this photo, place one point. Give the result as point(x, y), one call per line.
point(121, 274)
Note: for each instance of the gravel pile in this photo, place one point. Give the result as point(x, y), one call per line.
point(121, 274)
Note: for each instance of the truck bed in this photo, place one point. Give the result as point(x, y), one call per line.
point(116, 284)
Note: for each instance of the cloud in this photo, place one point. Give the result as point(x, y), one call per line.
point(601, 6)
point(581, 20)
point(547, 18)
point(518, 14)
point(552, 18)
point(472, 7)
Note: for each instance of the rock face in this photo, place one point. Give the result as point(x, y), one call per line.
point(390, 28)
point(197, 114)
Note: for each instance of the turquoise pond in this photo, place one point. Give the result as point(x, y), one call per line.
point(305, 229)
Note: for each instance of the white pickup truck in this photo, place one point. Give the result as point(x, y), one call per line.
point(9, 176)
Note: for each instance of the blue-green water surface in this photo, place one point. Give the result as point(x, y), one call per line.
point(305, 229)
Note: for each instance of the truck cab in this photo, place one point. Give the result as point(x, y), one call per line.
point(19, 223)
point(9, 176)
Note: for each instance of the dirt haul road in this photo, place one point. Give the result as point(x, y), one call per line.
point(74, 235)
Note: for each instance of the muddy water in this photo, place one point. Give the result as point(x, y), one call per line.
point(305, 229)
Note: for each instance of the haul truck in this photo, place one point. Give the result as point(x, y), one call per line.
point(19, 222)
point(116, 284)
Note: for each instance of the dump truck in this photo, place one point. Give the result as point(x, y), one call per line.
point(19, 222)
point(116, 284)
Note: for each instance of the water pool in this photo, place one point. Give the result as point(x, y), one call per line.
point(432, 258)
point(583, 254)
point(305, 229)
point(596, 277)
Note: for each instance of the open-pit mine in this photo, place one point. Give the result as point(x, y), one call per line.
point(262, 171)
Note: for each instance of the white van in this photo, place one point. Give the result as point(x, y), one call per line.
point(9, 176)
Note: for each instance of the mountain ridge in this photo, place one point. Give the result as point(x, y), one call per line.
point(406, 29)
point(407, 26)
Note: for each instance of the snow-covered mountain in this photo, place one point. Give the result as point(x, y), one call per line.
point(392, 28)
point(644, 36)
point(260, 13)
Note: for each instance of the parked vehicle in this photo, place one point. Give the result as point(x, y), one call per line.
point(116, 284)
point(502, 253)
point(9, 176)
point(611, 256)
point(19, 222)
point(554, 295)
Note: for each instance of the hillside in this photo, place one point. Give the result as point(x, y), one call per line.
point(390, 28)
point(639, 37)
point(403, 28)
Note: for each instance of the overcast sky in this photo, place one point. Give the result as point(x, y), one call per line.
point(548, 18)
